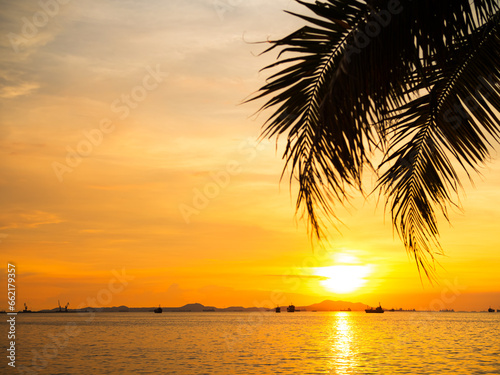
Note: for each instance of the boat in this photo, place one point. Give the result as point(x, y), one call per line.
point(348, 309)
point(290, 308)
point(378, 310)
point(277, 309)
point(491, 310)
point(158, 310)
point(447, 310)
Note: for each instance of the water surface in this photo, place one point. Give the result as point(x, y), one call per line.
point(257, 343)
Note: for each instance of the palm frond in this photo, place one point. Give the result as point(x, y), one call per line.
point(417, 79)
point(325, 160)
point(454, 120)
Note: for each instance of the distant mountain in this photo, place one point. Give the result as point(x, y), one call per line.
point(233, 308)
point(328, 305)
point(196, 307)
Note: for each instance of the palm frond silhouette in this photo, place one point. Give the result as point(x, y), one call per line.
point(417, 80)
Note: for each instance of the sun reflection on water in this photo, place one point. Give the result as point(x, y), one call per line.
point(342, 340)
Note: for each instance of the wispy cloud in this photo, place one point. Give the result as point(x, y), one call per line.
point(23, 88)
point(15, 219)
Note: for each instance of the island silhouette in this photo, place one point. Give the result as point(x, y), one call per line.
point(326, 305)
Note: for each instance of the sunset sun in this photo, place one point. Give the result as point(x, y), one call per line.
point(343, 278)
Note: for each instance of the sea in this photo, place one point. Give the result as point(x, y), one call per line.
point(254, 343)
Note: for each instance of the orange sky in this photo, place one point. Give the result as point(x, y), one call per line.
point(124, 151)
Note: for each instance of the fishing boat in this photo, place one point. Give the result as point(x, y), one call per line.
point(158, 310)
point(290, 308)
point(378, 310)
point(277, 309)
point(491, 310)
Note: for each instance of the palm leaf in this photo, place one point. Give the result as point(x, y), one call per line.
point(340, 94)
point(451, 121)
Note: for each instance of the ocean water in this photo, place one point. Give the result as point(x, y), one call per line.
point(256, 343)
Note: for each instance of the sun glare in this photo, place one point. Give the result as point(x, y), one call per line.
point(343, 278)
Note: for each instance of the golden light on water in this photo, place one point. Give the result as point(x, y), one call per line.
point(341, 343)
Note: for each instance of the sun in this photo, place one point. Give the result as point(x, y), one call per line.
point(343, 278)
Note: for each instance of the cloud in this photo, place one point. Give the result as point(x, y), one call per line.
point(16, 219)
point(23, 88)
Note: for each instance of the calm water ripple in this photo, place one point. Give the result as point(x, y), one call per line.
point(257, 343)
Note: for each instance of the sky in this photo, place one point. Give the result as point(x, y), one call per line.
point(131, 173)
